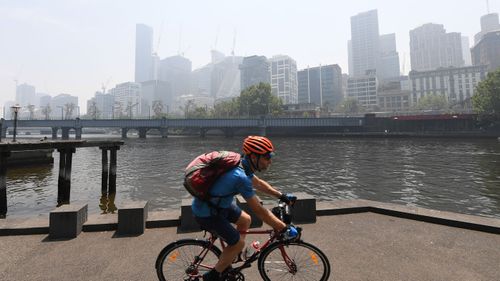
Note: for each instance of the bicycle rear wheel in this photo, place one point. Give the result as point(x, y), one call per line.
point(295, 261)
point(186, 260)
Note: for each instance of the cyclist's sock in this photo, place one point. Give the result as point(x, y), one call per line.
point(212, 275)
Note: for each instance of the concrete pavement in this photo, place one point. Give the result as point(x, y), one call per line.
point(360, 246)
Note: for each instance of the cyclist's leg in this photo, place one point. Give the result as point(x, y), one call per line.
point(221, 225)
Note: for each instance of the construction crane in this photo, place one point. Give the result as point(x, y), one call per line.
point(104, 85)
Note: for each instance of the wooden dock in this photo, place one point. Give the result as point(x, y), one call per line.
point(66, 148)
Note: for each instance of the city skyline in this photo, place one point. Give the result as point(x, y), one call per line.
point(75, 47)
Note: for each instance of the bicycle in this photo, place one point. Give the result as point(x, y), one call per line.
point(278, 259)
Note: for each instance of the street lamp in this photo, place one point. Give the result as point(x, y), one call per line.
point(15, 109)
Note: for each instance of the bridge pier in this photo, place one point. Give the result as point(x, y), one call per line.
point(142, 133)
point(3, 133)
point(65, 133)
point(164, 132)
point(203, 132)
point(78, 133)
point(64, 181)
point(124, 133)
point(54, 133)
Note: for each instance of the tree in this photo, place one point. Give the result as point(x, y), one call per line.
point(46, 110)
point(31, 109)
point(93, 110)
point(257, 100)
point(349, 105)
point(432, 102)
point(226, 109)
point(486, 100)
point(158, 108)
point(68, 110)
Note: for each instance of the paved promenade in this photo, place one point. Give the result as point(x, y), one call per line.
point(360, 246)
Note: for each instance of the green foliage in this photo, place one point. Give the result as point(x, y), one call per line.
point(254, 101)
point(349, 105)
point(432, 102)
point(257, 100)
point(486, 100)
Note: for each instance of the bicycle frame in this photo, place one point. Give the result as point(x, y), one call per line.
point(273, 236)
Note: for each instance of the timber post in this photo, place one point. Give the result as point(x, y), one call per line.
point(64, 181)
point(3, 182)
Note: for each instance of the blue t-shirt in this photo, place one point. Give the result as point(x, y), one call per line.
point(233, 182)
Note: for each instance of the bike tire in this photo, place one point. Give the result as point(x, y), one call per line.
point(310, 262)
point(175, 259)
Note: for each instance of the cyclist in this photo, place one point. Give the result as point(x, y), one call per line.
point(218, 215)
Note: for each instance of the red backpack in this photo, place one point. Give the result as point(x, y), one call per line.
point(205, 169)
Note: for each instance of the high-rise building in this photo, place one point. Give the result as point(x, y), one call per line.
point(487, 51)
point(363, 89)
point(144, 67)
point(127, 100)
point(254, 70)
point(457, 84)
point(176, 71)
point(225, 81)
point(431, 48)
point(389, 57)
point(466, 51)
point(101, 106)
point(365, 41)
point(321, 86)
point(156, 98)
point(64, 106)
point(489, 23)
point(25, 95)
point(284, 78)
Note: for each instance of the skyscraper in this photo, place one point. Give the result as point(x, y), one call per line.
point(389, 57)
point(487, 51)
point(364, 42)
point(254, 70)
point(176, 70)
point(431, 48)
point(321, 86)
point(284, 78)
point(489, 23)
point(143, 53)
point(25, 95)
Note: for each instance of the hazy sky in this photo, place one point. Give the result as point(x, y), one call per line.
point(73, 46)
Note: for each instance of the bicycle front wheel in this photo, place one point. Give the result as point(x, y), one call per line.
point(186, 260)
point(293, 261)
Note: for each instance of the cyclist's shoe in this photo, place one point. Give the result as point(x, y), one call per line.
point(212, 275)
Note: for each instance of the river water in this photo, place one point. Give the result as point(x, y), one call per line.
point(445, 174)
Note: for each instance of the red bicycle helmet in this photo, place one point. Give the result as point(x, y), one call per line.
point(258, 145)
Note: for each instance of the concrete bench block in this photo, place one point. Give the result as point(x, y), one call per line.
point(132, 217)
point(187, 221)
point(242, 203)
point(304, 209)
point(67, 221)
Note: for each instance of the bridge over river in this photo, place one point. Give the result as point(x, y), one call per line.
point(228, 126)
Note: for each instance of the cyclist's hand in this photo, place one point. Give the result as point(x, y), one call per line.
point(288, 198)
point(290, 233)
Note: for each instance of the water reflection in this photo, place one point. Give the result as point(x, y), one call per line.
point(444, 174)
point(107, 203)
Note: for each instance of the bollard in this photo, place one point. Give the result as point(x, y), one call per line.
point(256, 222)
point(132, 218)
point(187, 221)
point(304, 209)
point(67, 221)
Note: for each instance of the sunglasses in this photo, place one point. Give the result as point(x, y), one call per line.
point(268, 156)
